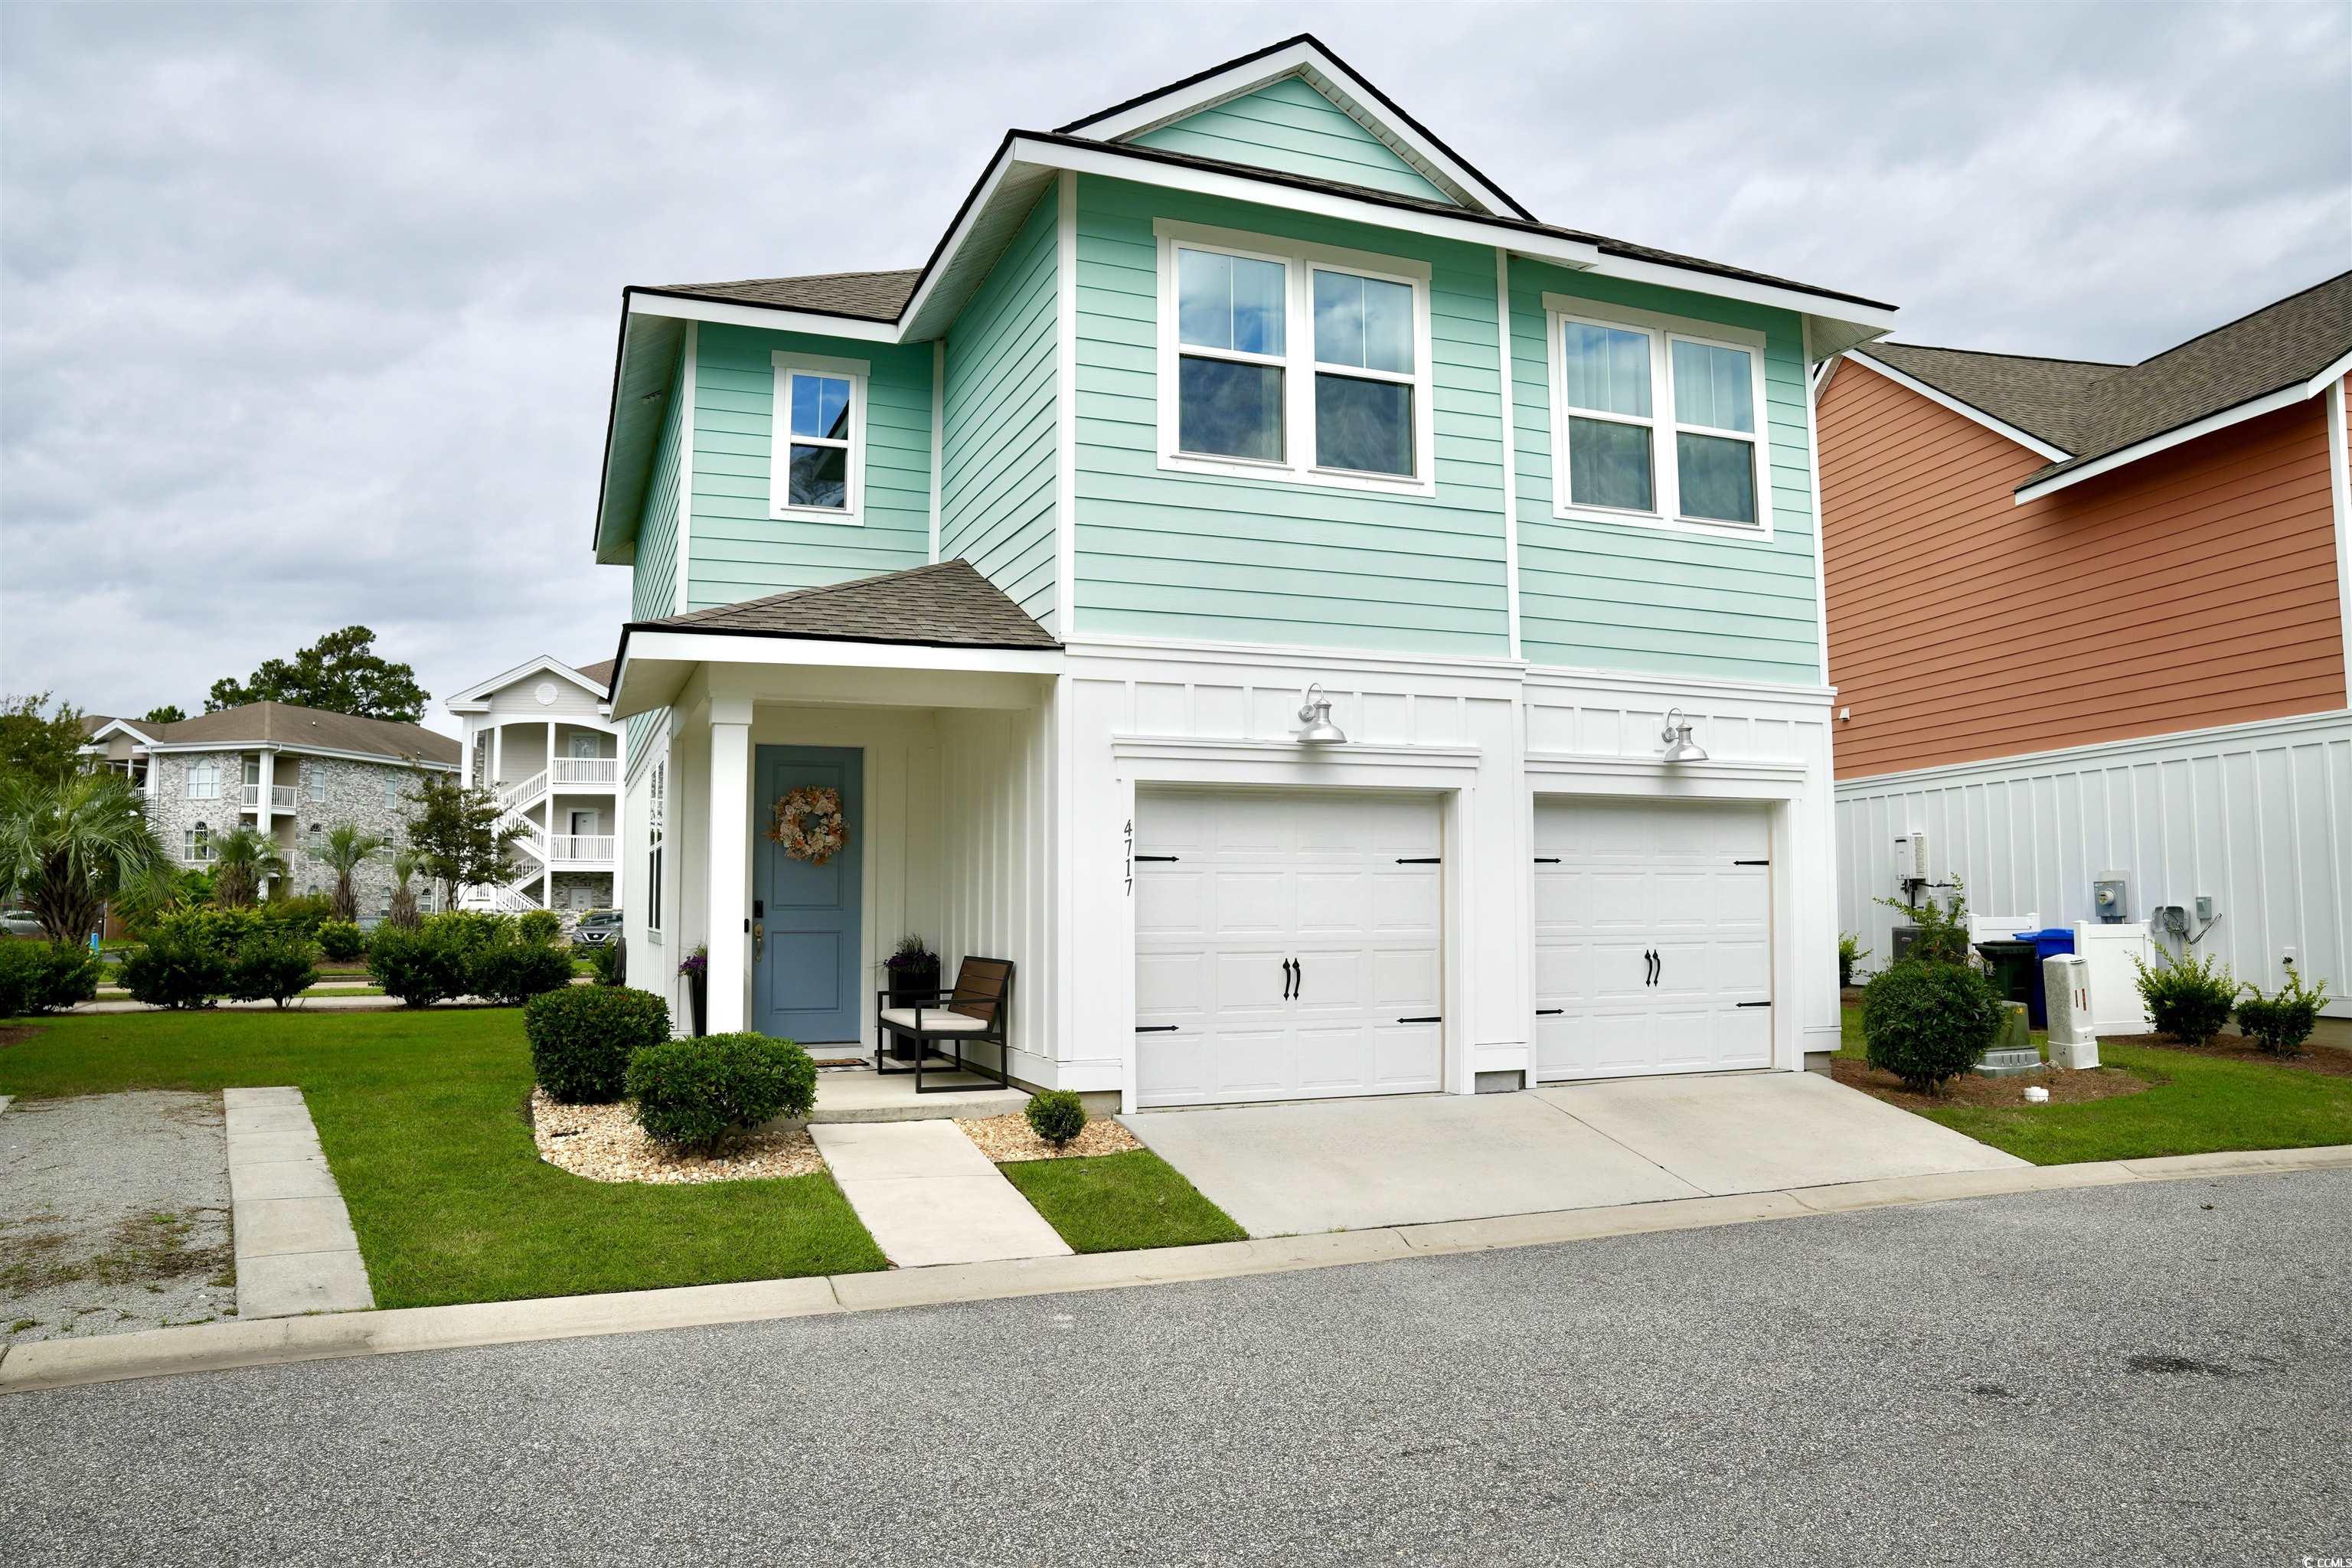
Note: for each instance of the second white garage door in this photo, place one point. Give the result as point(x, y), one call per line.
point(1287, 946)
point(1653, 941)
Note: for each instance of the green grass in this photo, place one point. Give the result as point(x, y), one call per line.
point(2195, 1105)
point(421, 1116)
point(1117, 1203)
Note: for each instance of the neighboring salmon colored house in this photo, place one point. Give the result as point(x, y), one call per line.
point(2088, 619)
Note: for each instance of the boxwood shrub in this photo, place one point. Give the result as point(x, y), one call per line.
point(2282, 1021)
point(2188, 998)
point(37, 976)
point(1056, 1115)
point(279, 965)
point(1925, 1021)
point(419, 965)
point(581, 1037)
point(340, 941)
point(694, 1096)
point(509, 968)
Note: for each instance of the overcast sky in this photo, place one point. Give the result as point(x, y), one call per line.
point(307, 314)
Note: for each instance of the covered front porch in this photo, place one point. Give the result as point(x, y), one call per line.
point(921, 771)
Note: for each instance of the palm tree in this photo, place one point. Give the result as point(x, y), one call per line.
point(404, 865)
point(345, 847)
point(69, 845)
point(243, 858)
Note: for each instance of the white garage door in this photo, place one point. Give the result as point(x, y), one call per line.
point(1653, 938)
point(1285, 946)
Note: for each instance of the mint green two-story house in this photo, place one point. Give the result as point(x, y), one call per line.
point(1334, 633)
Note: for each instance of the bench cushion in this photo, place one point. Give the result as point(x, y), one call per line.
point(936, 1021)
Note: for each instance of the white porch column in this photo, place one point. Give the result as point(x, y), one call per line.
point(727, 867)
point(266, 774)
point(497, 755)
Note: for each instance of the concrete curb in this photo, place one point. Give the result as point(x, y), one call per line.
point(216, 1347)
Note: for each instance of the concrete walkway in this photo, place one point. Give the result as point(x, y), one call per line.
point(929, 1196)
point(1353, 1164)
point(296, 1251)
point(861, 1094)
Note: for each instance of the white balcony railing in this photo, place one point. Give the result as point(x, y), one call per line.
point(281, 797)
point(587, 769)
point(580, 847)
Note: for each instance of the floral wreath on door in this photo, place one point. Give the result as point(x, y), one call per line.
point(808, 823)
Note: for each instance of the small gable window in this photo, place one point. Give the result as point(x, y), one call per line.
point(820, 439)
point(1281, 360)
point(1657, 420)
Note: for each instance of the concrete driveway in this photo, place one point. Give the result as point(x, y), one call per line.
point(1350, 1164)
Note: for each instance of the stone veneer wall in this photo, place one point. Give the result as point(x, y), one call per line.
point(352, 791)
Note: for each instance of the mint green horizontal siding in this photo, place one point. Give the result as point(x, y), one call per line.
point(1290, 127)
point(1621, 596)
point(737, 548)
point(997, 475)
point(653, 570)
point(1169, 554)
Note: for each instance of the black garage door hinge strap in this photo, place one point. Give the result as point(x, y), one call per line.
point(1433, 1018)
point(1751, 862)
point(1751, 1004)
point(1155, 856)
point(1547, 860)
point(1549, 1011)
point(1157, 1028)
point(1421, 860)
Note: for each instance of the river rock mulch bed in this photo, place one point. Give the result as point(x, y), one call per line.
point(604, 1143)
point(114, 1214)
point(1007, 1139)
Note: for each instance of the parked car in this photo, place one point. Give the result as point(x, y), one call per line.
point(23, 922)
point(597, 927)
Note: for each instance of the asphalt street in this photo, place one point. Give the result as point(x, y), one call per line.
point(2157, 1373)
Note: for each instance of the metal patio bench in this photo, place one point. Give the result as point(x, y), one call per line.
point(970, 1012)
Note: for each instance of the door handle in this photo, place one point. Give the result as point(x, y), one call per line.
point(758, 938)
point(1285, 980)
point(1650, 967)
point(1299, 970)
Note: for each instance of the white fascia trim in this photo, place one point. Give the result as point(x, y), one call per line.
point(2221, 737)
point(1111, 164)
point(476, 698)
point(2339, 491)
point(1294, 655)
point(1620, 681)
point(1327, 76)
point(2270, 403)
point(2034, 444)
point(1190, 748)
point(297, 748)
point(1545, 766)
point(1877, 320)
point(767, 317)
point(719, 648)
point(116, 727)
point(2329, 377)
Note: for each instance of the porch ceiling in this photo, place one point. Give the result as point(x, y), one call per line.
point(657, 668)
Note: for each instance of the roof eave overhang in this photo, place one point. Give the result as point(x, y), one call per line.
point(1966, 410)
point(476, 698)
point(2124, 457)
point(655, 663)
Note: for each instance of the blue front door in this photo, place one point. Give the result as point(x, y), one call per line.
point(804, 980)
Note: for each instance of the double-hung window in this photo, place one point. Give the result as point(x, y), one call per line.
point(1286, 361)
point(196, 843)
point(1657, 420)
point(203, 781)
point(657, 831)
point(816, 469)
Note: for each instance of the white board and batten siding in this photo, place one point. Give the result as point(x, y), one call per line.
point(2258, 817)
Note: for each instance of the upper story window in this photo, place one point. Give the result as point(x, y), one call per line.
point(819, 456)
point(314, 783)
point(203, 781)
point(1286, 361)
point(1656, 420)
point(392, 790)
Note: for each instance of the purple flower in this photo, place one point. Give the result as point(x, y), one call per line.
point(695, 963)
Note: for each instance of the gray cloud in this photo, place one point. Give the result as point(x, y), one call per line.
point(309, 312)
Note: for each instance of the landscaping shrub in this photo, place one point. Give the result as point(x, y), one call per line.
point(510, 970)
point(466, 930)
point(694, 1095)
point(277, 965)
point(1056, 1115)
point(2282, 1021)
point(222, 929)
point(1943, 933)
point(543, 927)
point(2186, 998)
point(38, 976)
point(1850, 952)
point(419, 965)
point(582, 1036)
point(1926, 1022)
point(177, 966)
point(340, 941)
point(610, 963)
point(303, 912)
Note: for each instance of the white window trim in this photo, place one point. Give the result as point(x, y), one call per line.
point(859, 374)
point(1299, 260)
point(210, 773)
point(1665, 477)
point(657, 842)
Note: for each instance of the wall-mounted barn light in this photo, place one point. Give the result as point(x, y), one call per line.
point(1680, 747)
point(1316, 715)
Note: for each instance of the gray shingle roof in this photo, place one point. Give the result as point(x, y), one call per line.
point(868, 296)
point(946, 606)
point(284, 724)
point(2093, 410)
point(601, 672)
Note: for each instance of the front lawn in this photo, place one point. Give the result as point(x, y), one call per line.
point(1117, 1203)
point(2194, 1105)
point(421, 1116)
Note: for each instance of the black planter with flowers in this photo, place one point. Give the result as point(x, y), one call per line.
point(695, 967)
point(914, 974)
